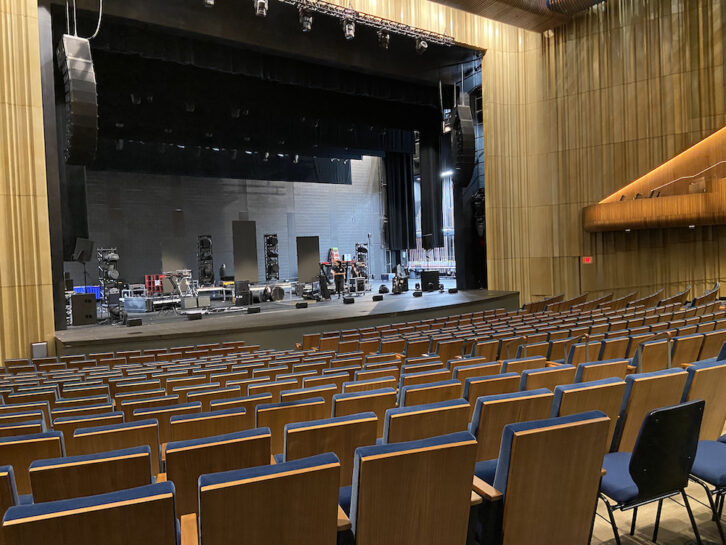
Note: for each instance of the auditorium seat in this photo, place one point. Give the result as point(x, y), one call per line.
point(712, 343)
point(77, 476)
point(105, 518)
point(463, 372)
point(20, 451)
point(422, 421)
point(413, 493)
point(493, 412)
point(69, 424)
point(82, 411)
point(707, 381)
point(643, 393)
point(547, 377)
point(377, 401)
point(326, 391)
point(120, 436)
point(129, 406)
point(24, 416)
point(597, 370)
point(186, 461)
point(275, 415)
point(566, 456)
point(26, 427)
point(341, 435)
point(685, 349)
point(605, 395)
point(519, 365)
point(476, 387)
point(432, 392)
point(163, 414)
point(651, 356)
point(271, 504)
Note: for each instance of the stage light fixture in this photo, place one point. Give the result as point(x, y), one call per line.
point(260, 8)
point(306, 19)
point(208, 3)
point(447, 173)
point(296, 159)
point(384, 39)
point(349, 28)
point(266, 157)
point(421, 46)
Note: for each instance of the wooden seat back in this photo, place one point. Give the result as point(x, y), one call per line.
point(424, 421)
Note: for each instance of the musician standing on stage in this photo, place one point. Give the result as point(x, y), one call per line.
point(339, 276)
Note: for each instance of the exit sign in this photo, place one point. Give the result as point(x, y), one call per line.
point(587, 260)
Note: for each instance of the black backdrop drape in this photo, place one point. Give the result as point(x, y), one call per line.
point(401, 228)
point(432, 217)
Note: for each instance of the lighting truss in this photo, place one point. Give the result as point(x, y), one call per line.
point(378, 23)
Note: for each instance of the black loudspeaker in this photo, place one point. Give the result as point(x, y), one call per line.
point(196, 316)
point(383, 289)
point(83, 309)
point(324, 290)
point(378, 297)
point(134, 322)
point(68, 281)
point(429, 280)
point(301, 305)
point(453, 290)
point(253, 310)
point(417, 294)
point(76, 66)
point(348, 300)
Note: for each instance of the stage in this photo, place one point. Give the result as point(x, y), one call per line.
point(279, 325)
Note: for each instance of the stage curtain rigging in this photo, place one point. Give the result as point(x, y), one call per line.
point(401, 227)
point(432, 217)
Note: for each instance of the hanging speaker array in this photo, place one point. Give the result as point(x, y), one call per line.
point(272, 258)
point(76, 66)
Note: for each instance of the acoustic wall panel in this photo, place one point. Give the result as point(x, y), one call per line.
point(244, 242)
point(308, 259)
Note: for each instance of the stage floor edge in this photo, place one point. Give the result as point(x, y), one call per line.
point(281, 329)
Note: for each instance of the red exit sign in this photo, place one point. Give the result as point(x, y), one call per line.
point(587, 260)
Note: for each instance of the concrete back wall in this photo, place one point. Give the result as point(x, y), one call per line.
point(155, 220)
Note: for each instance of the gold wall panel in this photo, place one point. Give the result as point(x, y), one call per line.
point(26, 301)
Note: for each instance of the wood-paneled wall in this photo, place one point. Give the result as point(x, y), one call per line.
point(26, 300)
point(613, 94)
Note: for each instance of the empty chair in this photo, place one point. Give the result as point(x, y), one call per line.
point(712, 343)
point(119, 436)
point(341, 435)
point(423, 421)
point(163, 414)
point(658, 465)
point(208, 424)
point(709, 470)
point(643, 393)
point(548, 377)
point(486, 349)
point(77, 476)
point(707, 381)
point(142, 515)
point(565, 457)
point(205, 397)
point(389, 381)
point(22, 428)
point(20, 451)
point(597, 370)
point(522, 364)
point(326, 391)
point(605, 395)
point(450, 349)
point(613, 347)
point(248, 403)
point(272, 504)
point(686, 349)
point(275, 415)
point(420, 394)
point(8, 493)
point(377, 401)
point(652, 356)
point(69, 424)
point(493, 412)
point(187, 460)
point(423, 377)
point(476, 387)
point(414, 493)
point(463, 372)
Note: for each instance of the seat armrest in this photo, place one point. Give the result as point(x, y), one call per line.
point(485, 490)
point(343, 520)
point(476, 499)
point(189, 535)
point(272, 460)
point(161, 478)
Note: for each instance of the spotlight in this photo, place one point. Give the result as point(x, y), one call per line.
point(384, 39)
point(208, 3)
point(266, 157)
point(296, 159)
point(421, 46)
point(306, 20)
point(260, 8)
point(349, 28)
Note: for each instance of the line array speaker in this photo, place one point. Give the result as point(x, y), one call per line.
point(79, 78)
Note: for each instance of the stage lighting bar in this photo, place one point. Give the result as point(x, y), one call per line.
point(378, 23)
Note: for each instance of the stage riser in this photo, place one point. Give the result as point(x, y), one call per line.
point(279, 330)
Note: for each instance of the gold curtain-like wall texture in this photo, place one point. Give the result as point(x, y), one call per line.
point(26, 302)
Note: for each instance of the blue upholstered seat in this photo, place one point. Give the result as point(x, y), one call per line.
point(722, 439)
point(349, 395)
point(367, 381)
point(62, 419)
point(323, 422)
point(413, 387)
point(472, 366)
point(476, 416)
point(416, 408)
point(486, 470)
point(561, 389)
point(175, 445)
point(344, 498)
point(710, 462)
point(207, 414)
point(505, 363)
point(13, 489)
point(110, 427)
point(617, 482)
point(216, 402)
point(526, 374)
point(581, 367)
point(49, 462)
point(691, 370)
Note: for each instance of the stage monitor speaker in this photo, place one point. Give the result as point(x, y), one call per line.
point(417, 294)
point(383, 289)
point(189, 303)
point(453, 290)
point(83, 309)
point(301, 305)
point(378, 297)
point(195, 316)
point(76, 66)
point(429, 280)
point(348, 300)
point(133, 322)
point(253, 310)
point(244, 242)
point(83, 251)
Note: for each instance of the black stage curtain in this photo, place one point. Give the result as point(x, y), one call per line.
point(400, 201)
point(432, 218)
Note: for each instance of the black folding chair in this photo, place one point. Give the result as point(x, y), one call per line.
point(658, 467)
